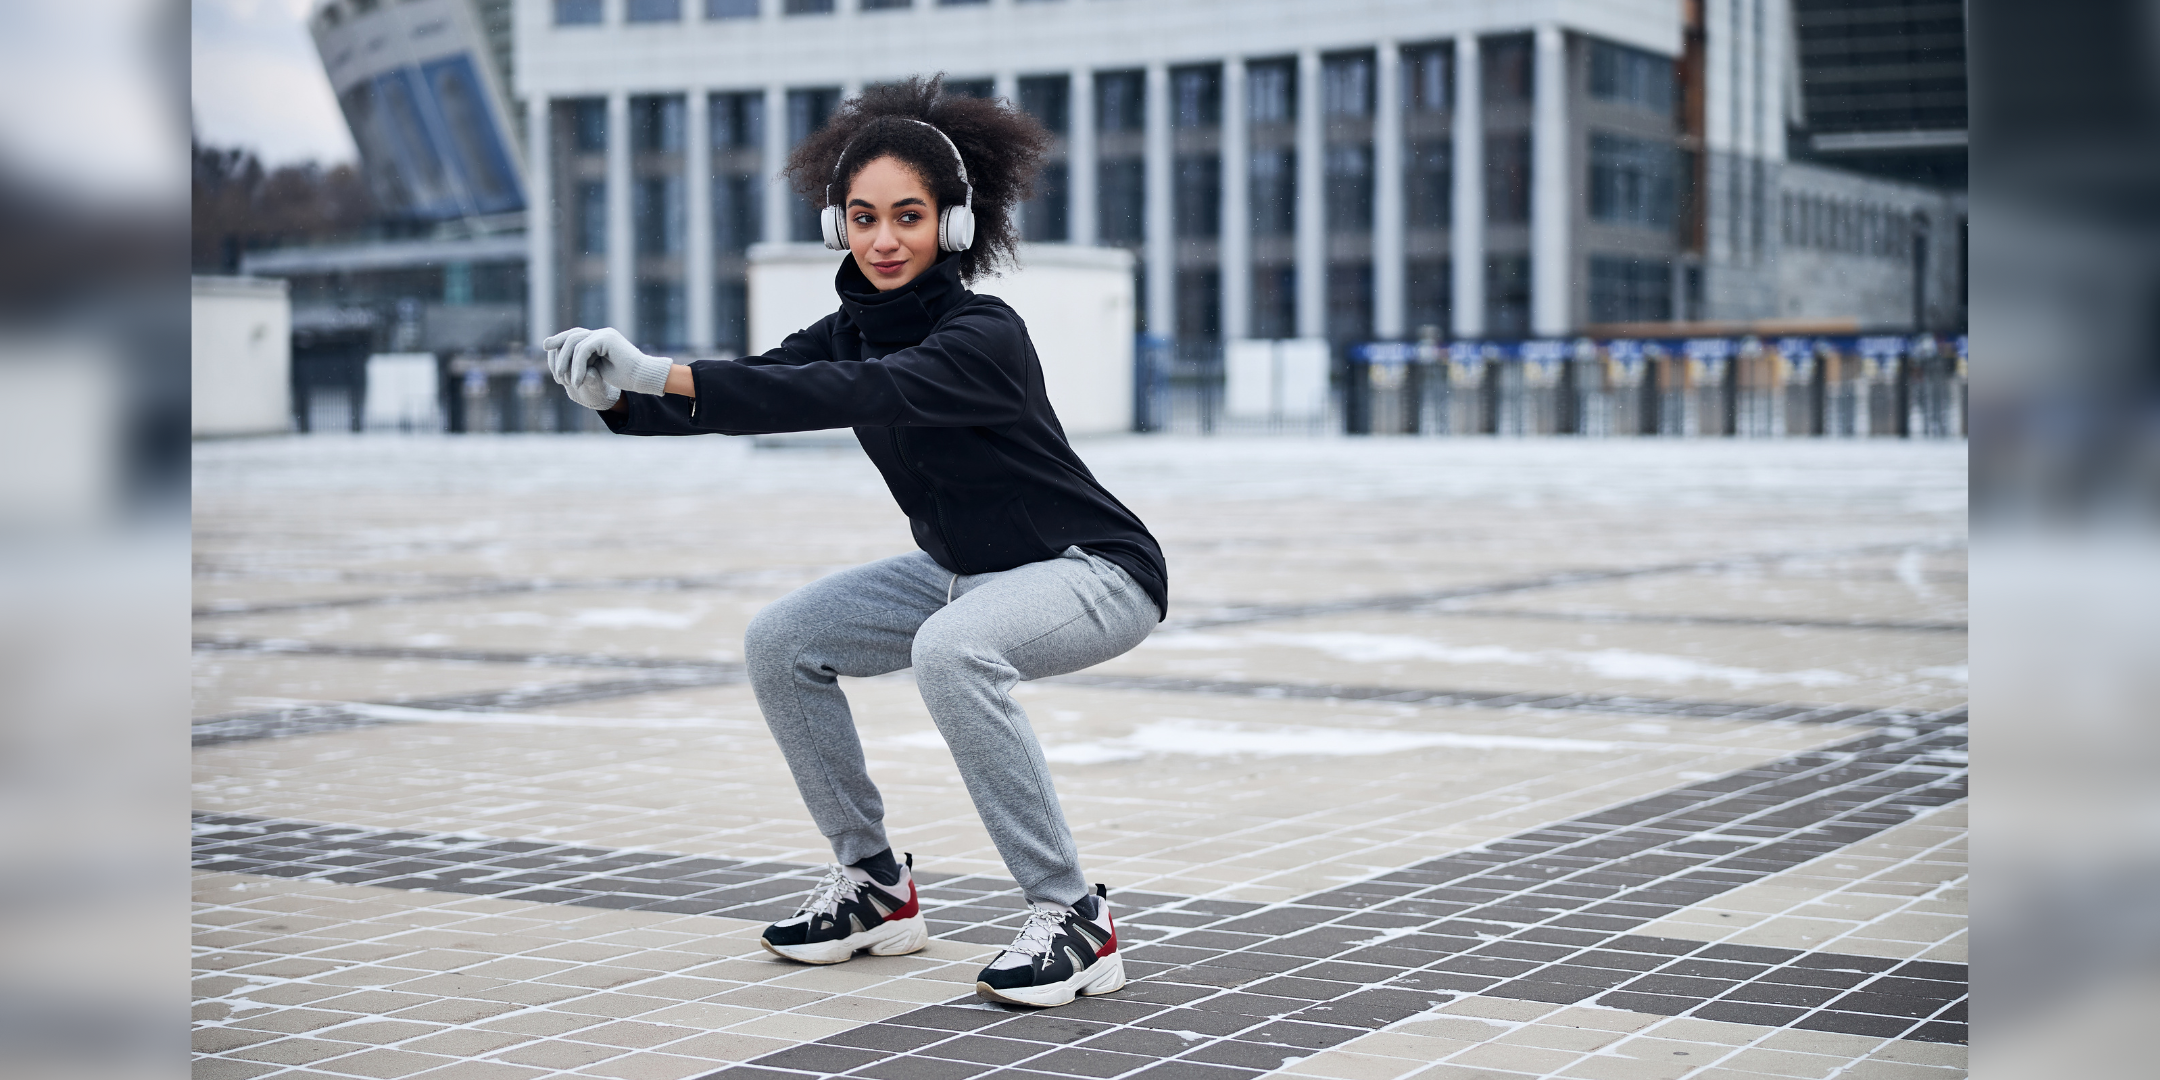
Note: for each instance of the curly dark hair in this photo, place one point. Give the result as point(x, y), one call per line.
point(1002, 146)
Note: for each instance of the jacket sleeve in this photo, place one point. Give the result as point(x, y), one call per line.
point(674, 414)
point(970, 372)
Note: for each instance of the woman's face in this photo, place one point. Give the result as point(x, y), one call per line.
point(891, 223)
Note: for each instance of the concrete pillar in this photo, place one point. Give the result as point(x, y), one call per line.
point(1311, 235)
point(1389, 269)
point(1235, 246)
point(1159, 219)
point(621, 246)
point(1080, 159)
point(540, 260)
point(1551, 290)
point(697, 247)
point(778, 199)
point(1466, 235)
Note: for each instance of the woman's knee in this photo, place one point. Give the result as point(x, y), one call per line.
point(941, 656)
point(775, 639)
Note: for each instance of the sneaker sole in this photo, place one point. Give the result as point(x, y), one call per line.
point(1107, 976)
point(897, 937)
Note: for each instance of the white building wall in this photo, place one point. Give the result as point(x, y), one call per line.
point(241, 356)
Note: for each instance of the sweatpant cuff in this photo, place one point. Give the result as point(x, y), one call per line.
point(855, 845)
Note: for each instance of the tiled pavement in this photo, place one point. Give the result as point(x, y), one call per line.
point(1509, 777)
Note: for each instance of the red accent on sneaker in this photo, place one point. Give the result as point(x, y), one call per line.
point(1109, 946)
point(909, 909)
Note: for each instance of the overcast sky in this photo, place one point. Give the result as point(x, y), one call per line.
point(258, 83)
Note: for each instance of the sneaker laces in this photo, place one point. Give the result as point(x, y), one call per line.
point(1036, 933)
point(825, 896)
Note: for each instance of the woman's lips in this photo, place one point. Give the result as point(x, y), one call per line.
point(893, 267)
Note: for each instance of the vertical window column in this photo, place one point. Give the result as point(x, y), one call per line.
point(1311, 217)
point(657, 138)
point(1347, 102)
point(621, 251)
point(1159, 210)
point(578, 140)
point(1194, 144)
point(1080, 167)
point(807, 111)
point(1551, 211)
point(1234, 250)
point(541, 236)
point(739, 209)
point(1046, 217)
point(1271, 171)
point(1466, 229)
point(697, 220)
point(774, 188)
point(1388, 218)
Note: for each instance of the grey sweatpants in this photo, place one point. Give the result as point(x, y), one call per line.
point(970, 639)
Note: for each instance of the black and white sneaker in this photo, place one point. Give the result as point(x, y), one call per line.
point(849, 911)
point(1061, 952)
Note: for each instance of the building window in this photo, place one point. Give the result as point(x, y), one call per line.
point(1349, 301)
point(731, 9)
point(1630, 290)
point(807, 7)
point(738, 121)
point(738, 213)
point(1120, 101)
point(1346, 89)
point(1507, 66)
point(1042, 218)
point(1631, 181)
point(1428, 78)
point(1428, 295)
point(1274, 301)
point(1274, 192)
point(591, 305)
point(974, 88)
point(807, 112)
point(960, 3)
point(1199, 196)
point(1428, 186)
point(639, 11)
point(1507, 296)
point(731, 316)
point(1631, 77)
point(1349, 188)
point(1507, 178)
point(656, 124)
point(577, 12)
point(660, 314)
point(1048, 98)
point(1121, 200)
point(1196, 97)
point(658, 215)
point(1271, 93)
point(1199, 304)
point(588, 125)
point(592, 218)
point(886, 5)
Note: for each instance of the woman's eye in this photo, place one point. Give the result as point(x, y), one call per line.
point(910, 218)
point(865, 220)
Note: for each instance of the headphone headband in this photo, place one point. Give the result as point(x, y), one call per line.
point(965, 186)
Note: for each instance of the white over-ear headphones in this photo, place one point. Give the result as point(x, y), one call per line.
point(955, 224)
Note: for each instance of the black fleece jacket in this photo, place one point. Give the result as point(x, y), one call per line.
point(945, 393)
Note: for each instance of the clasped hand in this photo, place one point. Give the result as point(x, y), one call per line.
point(594, 365)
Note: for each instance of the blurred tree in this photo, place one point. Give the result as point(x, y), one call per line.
point(241, 206)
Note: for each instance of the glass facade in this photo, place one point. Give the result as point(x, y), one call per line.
point(1630, 290)
point(1271, 89)
point(736, 122)
point(1048, 98)
point(1631, 181)
point(807, 111)
point(578, 130)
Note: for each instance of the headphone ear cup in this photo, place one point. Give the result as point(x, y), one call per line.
point(834, 225)
point(956, 228)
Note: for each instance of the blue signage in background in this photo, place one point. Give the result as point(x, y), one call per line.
point(429, 143)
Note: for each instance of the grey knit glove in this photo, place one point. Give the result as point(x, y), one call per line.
point(618, 362)
point(592, 391)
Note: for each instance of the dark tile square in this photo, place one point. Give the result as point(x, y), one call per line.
point(1644, 943)
point(1712, 969)
point(1862, 1001)
point(1299, 1033)
point(1602, 978)
point(1323, 942)
point(1045, 1027)
point(1802, 976)
point(1843, 962)
point(1341, 971)
point(1077, 1061)
point(1767, 993)
point(1245, 1054)
point(1743, 1012)
point(820, 1057)
point(1655, 1004)
point(1160, 992)
point(1538, 990)
point(1880, 1027)
point(1931, 969)
point(1618, 961)
point(921, 1068)
point(1108, 1010)
point(1939, 1032)
point(1680, 985)
point(1194, 1070)
point(1748, 954)
point(1253, 1005)
point(1490, 966)
point(1218, 940)
point(1147, 1042)
point(1215, 975)
point(1524, 950)
point(1199, 1021)
point(1917, 988)
point(1295, 987)
point(1442, 980)
point(892, 1037)
point(982, 1048)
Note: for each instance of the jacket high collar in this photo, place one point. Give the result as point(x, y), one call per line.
point(903, 316)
